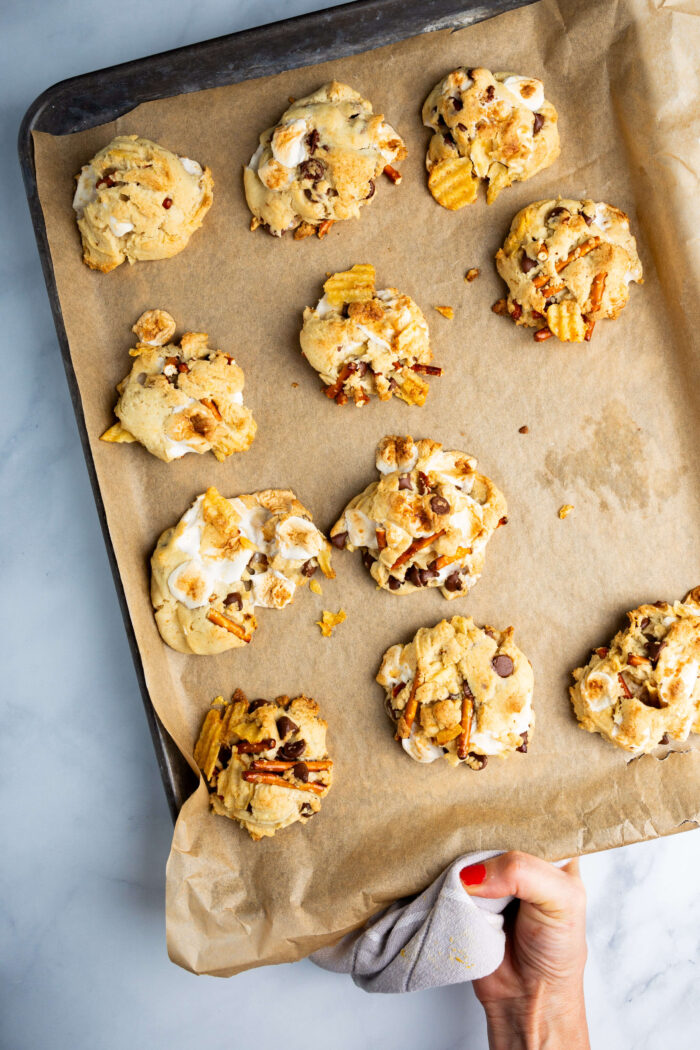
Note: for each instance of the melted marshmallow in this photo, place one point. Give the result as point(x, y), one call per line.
point(528, 91)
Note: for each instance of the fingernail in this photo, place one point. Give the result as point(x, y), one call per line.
point(474, 875)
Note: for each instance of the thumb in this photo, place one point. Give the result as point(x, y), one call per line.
point(553, 890)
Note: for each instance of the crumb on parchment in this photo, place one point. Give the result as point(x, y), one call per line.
point(472, 274)
point(330, 620)
point(565, 510)
point(446, 311)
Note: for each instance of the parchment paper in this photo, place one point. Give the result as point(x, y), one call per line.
point(614, 430)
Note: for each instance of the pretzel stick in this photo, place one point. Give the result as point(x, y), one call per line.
point(246, 747)
point(270, 778)
point(333, 391)
point(416, 546)
point(638, 661)
point(381, 539)
point(447, 559)
point(409, 712)
point(465, 722)
point(543, 333)
point(324, 227)
point(575, 253)
point(393, 174)
point(597, 290)
point(223, 621)
point(207, 401)
point(272, 765)
point(427, 370)
point(552, 289)
point(625, 687)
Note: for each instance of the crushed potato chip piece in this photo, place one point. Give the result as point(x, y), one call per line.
point(446, 311)
point(315, 586)
point(413, 390)
point(566, 322)
point(452, 183)
point(330, 620)
point(565, 510)
point(118, 434)
point(155, 328)
point(472, 274)
point(324, 560)
point(445, 735)
point(218, 512)
point(206, 749)
point(350, 286)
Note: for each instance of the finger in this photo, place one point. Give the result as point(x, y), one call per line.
point(526, 877)
point(572, 867)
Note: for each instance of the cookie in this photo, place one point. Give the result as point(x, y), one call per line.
point(426, 522)
point(459, 691)
point(265, 761)
point(320, 163)
point(498, 127)
point(643, 689)
point(567, 264)
point(136, 200)
point(180, 399)
point(363, 342)
point(224, 558)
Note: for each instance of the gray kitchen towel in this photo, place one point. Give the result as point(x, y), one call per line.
point(442, 936)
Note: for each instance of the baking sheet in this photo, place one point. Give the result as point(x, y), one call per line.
point(613, 430)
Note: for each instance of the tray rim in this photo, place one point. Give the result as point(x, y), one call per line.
point(90, 99)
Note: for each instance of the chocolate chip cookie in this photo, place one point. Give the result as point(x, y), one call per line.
point(265, 761)
point(224, 558)
point(365, 342)
point(643, 689)
point(321, 162)
point(426, 522)
point(497, 127)
point(461, 691)
point(180, 399)
point(567, 264)
point(136, 200)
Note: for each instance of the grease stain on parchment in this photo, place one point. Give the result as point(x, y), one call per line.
point(616, 459)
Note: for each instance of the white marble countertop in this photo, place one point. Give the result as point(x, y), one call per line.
point(86, 824)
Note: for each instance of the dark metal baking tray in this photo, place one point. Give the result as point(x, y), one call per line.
point(97, 98)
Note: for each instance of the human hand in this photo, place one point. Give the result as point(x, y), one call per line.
point(534, 999)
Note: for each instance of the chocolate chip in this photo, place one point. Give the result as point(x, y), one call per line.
point(426, 575)
point(588, 219)
point(646, 698)
point(362, 367)
point(665, 739)
point(490, 92)
point(372, 188)
point(423, 485)
point(405, 483)
point(312, 140)
point(255, 704)
point(449, 140)
point(234, 598)
point(645, 623)
point(285, 726)
point(466, 691)
point(330, 192)
point(413, 576)
point(457, 103)
point(367, 559)
point(453, 582)
point(537, 123)
point(526, 263)
point(168, 203)
point(301, 772)
point(394, 584)
point(477, 762)
point(308, 568)
point(559, 210)
point(441, 121)
point(502, 665)
point(653, 650)
point(523, 746)
point(308, 194)
point(224, 754)
point(306, 810)
point(291, 751)
point(462, 127)
point(439, 505)
point(339, 540)
point(313, 169)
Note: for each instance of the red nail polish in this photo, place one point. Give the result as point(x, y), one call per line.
point(474, 875)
